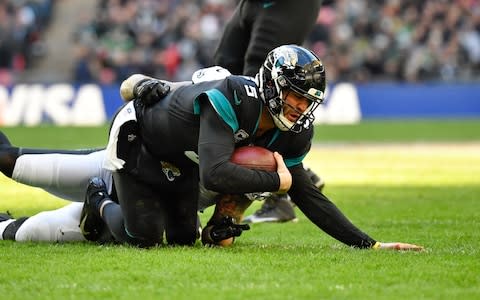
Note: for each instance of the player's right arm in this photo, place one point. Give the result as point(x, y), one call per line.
point(215, 148)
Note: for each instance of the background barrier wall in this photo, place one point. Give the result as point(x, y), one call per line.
point(91, 104)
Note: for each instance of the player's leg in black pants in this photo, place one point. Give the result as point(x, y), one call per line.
point(182, 204)
point(234, 41)
point(276, 24)
point(140, 218)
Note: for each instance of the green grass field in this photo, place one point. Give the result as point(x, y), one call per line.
point(414, 181)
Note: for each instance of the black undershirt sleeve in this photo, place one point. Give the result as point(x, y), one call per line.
point(323, 213)
point(215, 147)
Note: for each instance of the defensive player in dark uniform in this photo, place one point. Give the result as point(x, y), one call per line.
point(256, 27)
point(153, 152)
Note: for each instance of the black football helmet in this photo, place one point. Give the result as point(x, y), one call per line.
point(292, 68)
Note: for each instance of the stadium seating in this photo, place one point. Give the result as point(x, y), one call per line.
point(22, 25)
point(359, 41)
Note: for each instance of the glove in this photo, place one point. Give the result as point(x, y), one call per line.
point(215, 234)
point(126, 88)
point(397, 246)
point(150, 91)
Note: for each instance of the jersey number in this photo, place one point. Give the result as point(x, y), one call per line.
point(251, 91)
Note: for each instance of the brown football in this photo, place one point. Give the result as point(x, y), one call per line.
point(254, 157)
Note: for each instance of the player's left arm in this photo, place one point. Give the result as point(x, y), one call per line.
point(326, 215)
point(323, 213)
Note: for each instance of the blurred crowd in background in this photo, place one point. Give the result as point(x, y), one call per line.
point(360, 41)
point(22, 24)
point(162, 38)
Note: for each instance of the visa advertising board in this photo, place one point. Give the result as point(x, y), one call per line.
point(65, 104)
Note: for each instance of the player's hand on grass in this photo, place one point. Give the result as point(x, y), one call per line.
point(222, 234)
point(283, 173)
point(397, 246)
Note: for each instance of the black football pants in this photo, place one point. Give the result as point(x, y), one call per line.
point(257, 27)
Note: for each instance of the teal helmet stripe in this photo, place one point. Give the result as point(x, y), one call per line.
point(222, 106)
point(290, 162)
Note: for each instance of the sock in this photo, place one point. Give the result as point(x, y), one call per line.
point(113, 217)
point(102, 205)
point(3, 226)
point(11, 228)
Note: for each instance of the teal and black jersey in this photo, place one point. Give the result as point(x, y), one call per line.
point(237, 102)
point(205, 122)
point(211, 119)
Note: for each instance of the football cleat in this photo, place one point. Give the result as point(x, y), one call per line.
point(91, 223)
point(8, 156)
point(3, 139)
point(276, 208)
point(317, 180)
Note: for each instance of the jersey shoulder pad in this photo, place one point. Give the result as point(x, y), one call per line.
point(235, 100)
point(210, 74)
